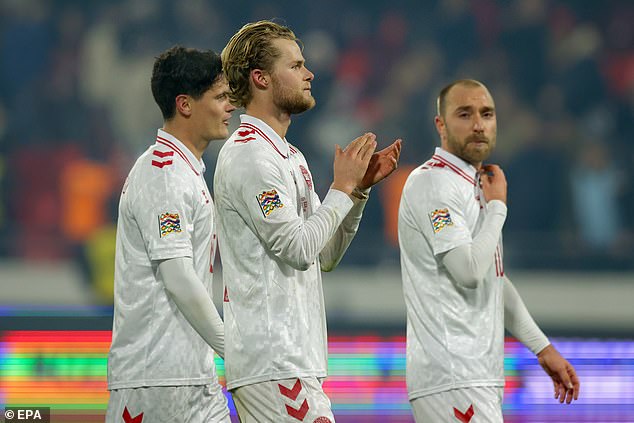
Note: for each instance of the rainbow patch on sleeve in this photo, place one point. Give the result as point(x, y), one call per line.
point(440, 219)
point(269, 201)
point(169, 223)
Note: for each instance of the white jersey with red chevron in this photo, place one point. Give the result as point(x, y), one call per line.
point(273, 233)
point(165, 211)
point(455, 335)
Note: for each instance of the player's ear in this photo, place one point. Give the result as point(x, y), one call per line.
point(440, 125)
point(184, 104)
point(261, 79)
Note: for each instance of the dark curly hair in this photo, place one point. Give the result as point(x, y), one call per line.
point(181, 70)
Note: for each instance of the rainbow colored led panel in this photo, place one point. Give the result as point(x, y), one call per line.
point(66, 370)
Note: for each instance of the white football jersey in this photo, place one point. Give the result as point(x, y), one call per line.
point(455, 335)
point(273, 235)
point(165, 212)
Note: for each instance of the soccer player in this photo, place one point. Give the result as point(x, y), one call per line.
point(274, 233)
point(160, 365)
point(458, 297)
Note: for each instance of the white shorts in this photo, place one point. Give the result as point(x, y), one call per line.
point(466, 405)
point(186, 404)
point(288, 400)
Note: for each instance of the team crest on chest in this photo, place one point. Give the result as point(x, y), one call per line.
point(307, 178)
point(440, 219)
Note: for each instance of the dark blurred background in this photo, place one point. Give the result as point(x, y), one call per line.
point(76, 110)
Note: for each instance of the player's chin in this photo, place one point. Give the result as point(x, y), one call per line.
point(220, 134)
point(310, 101)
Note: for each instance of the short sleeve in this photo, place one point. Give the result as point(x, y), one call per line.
point(436, 204)
point(164, 213)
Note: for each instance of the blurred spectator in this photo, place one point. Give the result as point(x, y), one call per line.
point(596, 185)
point(74, 94)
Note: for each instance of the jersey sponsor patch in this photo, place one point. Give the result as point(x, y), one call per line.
point(440, 218)
point(169, 223)
point(269, 201)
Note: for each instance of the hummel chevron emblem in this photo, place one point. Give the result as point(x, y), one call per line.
point(291, 393)
point(163, 154)
point(161, 164)
point(127, 418)
point(299, 413)
point(466, 417)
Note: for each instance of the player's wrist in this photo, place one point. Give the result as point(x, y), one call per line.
point(360, 193)
point(346, 188)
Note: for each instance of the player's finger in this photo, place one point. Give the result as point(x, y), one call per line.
point(565, 378)
point(576, 386)
point(355, 146)
point(399, 146)
point(562, 393)
point(367, 151)
point(569, 396)
point(338, 151)
point(491, 170)
point(395, 148)
point(485, 181)
point(556, 389)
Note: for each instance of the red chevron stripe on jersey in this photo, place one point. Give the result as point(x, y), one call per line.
point(263, 135)
point(455, 169)
point(127, 418)
point(430, 163)
point(298, 413)
point(291, 393)
point(171, 145)
point(244, 140)
point(244, 134)
point(464, 417)
point(161, 164)
point(163, 154)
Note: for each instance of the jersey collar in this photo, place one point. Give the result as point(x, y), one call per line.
point(265, 131)
point(457, 165)
point(168, 140)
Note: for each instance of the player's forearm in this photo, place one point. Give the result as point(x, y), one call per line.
point(468, 263)
point(518, 321)
point(336, 247)
point(193, 301)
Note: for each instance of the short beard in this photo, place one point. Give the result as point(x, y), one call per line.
point(291, 102)
point(462, 150)
point(294, 105)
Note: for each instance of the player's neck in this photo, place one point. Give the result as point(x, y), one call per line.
point(193, 144)
point(278, 121)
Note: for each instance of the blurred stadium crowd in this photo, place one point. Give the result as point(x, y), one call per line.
point(76, 110)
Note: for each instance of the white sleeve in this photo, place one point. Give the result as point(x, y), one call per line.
point(518, 321)
point(165, 214)
point(273, 215)
point(468, 263)
point(336, 247)
point(192, 299)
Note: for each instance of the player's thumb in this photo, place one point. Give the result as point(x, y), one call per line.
point(338, 150)
point(484, 180)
